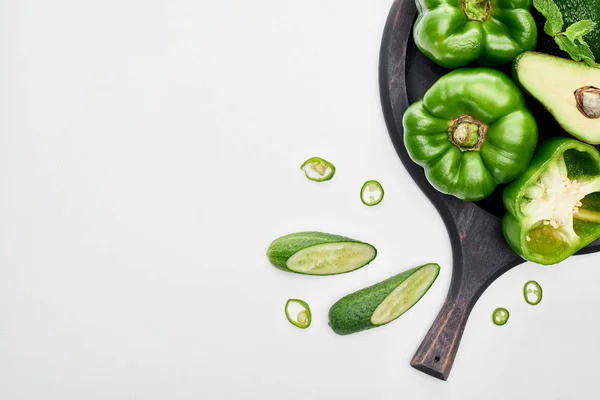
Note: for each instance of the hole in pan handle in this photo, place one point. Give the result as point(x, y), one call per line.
point(437, 351)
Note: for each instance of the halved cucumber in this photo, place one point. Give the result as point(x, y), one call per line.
point(383, 302)
point(317, 253)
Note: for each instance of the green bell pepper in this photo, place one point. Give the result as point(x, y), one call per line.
point(553, 209)
point(471, 132)
point(454, 33)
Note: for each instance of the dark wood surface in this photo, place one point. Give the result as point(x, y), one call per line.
point(480, 254)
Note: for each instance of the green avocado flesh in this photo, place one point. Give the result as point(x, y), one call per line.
point(317, 253)
point(553, 81)
point(383, 302)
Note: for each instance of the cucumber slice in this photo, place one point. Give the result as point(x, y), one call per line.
point(405, 295)
point(383, 302)
point(331, 258)
point(317, 253)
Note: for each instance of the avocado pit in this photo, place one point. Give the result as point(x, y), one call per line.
point(588, 101)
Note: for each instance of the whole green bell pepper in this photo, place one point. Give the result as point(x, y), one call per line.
point(553, 209)
point(471, 132)
point(454, 33)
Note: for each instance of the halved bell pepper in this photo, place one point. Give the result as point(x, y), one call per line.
point(454, 33)
point(553, 209)
point(471, 132)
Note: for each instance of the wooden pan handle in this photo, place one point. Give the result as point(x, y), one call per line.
point(437, 352)
point(480, 255)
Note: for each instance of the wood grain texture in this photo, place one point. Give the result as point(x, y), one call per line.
point(480, 253)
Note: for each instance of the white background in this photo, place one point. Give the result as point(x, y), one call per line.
point(150, 152)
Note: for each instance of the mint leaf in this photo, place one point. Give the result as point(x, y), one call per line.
point(554, 18)
point(579, 29)
point(586, 53)
point(578, 51)
point(571, 40)
point(567, 45)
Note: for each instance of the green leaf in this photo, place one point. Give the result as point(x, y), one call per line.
point(554, 18)
point(570, 41)
point(579, 29)
point(586, 53)
point(578, 51)
point(567, 45)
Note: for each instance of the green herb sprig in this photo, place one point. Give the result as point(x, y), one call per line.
point(571, 40)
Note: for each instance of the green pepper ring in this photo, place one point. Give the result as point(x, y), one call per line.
point(319, 161)
point(306, 309)
point(500, 316)
point(364, 186)
point(539, 295)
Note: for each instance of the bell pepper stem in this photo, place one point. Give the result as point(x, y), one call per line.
point(477, 10)
point(467, 133)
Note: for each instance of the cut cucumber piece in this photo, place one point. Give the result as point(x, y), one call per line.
point(405, 295)
point(317, 253)
point(383, 302)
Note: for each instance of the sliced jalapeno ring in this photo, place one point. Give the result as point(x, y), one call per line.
point(500, 316)
point(371, 193)
point(318, 170)
point(301, 309)
point(532, 291)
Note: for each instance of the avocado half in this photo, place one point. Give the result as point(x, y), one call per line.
point(569, 90)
